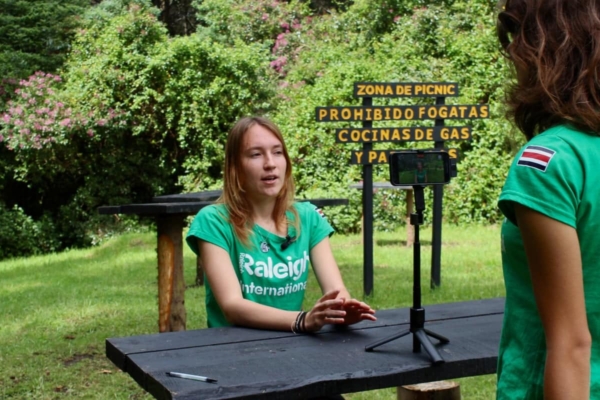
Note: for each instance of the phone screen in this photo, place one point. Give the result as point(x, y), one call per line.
point(419, 168)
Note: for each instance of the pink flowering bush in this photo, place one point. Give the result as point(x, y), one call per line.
point(36, 118)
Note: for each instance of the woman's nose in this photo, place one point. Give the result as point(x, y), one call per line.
point(269, 161)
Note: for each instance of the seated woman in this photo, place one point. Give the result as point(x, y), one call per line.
point(256, 243)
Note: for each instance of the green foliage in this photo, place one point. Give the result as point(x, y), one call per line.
point(250, 21)
point(35, 35)
point(132, 115)
point(20, 235)
point(135, 113)
point(103, 12)
point(425, 43)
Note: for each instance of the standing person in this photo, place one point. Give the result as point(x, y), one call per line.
point(550, 238)
point(256, 243)
point(420, 173)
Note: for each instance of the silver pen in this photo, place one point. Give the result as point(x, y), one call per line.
point(192, 377)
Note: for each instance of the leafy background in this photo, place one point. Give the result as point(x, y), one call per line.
point(116, 101)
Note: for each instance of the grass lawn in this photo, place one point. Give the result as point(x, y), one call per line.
point(56, 311)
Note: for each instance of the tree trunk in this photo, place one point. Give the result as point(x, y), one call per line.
point(442, 390)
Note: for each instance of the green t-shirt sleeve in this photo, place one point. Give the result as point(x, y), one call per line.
point(546, 176)
point(314, 223)
point(211, 225)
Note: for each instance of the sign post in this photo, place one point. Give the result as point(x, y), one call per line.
point(367, 113)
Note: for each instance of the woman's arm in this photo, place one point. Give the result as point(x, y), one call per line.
point(554, 259)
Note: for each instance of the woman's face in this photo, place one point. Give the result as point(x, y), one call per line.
point(263, 163)
point(419, 166)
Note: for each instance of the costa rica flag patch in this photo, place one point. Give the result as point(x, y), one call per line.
point(320, 212)
point(537, 157)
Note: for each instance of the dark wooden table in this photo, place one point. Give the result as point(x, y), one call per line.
point(251, 363)
point(170, 212)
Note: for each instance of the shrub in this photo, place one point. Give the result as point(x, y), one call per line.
point(130, 115)
point(20, 235)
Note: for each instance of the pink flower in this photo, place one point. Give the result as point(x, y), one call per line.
point(90, 133)
point(279, 63)
point(101, 122)
point(6, 118)
point(265, 17)
point(65, 122)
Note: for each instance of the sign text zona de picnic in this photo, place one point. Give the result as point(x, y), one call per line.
point(403, 89)
point(399, 113)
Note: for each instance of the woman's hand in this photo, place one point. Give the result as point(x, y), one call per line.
point(331, 310)
point(357, 311)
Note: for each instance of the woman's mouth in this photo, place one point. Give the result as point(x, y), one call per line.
point(269, 178)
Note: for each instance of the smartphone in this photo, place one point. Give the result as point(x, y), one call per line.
point(419, 167)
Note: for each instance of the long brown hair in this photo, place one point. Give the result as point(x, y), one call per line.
point(238, 206)
point(554, 46)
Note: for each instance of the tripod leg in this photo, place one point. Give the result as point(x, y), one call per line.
point(436, 358)
point(439, 337)
point(370, 347)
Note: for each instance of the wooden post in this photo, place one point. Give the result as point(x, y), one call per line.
point(442, 390)
point(171, 284)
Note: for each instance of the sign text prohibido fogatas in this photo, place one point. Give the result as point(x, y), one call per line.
point(367, 113)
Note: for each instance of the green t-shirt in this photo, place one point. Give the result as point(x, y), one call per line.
point(267, 273)
point(421, 176)
point(556, 174)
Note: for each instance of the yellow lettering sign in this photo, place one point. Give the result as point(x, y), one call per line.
point(359, 155)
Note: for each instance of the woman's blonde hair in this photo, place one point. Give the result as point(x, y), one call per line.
point(238, 205)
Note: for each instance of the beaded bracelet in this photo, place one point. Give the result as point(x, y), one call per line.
point(299, 319)
point(303, 322)
point(296, 324)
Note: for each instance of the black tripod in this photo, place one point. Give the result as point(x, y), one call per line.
point(417, 313)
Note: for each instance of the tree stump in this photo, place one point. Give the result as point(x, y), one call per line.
point(441, 390)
